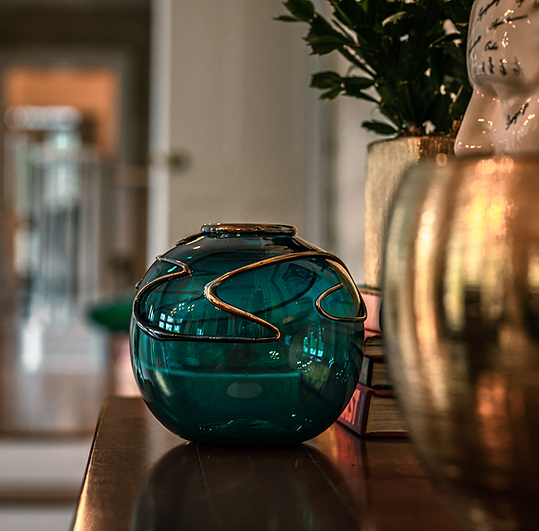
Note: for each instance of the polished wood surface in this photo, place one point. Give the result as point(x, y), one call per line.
point(142, 477)
point(60, 395)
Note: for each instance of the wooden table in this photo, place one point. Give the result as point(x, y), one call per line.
point(142, 477)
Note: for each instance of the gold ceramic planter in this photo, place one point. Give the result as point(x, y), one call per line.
point(387, 160)
point(461, 311)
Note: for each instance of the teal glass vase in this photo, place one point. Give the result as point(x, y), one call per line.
point(247, 335)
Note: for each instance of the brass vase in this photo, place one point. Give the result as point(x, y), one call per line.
point(461, 311)
point(387, 160)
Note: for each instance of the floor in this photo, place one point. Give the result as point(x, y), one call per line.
point(49, 407)
point(39, 482)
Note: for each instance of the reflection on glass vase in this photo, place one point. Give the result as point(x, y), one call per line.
point(290, 475)
point(247, 335)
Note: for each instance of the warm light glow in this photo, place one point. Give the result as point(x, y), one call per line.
point(507, 164)
point(441, 159)
point(454, 286)
point(533, 270)
point(93, 91)
point(487, 256)
point(83, 513)
point(486, 167)
point(426, 329)
point(492, 410)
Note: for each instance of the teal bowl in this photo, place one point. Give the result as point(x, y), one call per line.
point(247, 335)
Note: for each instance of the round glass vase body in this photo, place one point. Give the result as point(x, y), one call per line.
point(247, 335)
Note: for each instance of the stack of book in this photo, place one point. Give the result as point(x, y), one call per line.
point(373, 409)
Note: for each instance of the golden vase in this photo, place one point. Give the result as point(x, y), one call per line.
point(461, 314)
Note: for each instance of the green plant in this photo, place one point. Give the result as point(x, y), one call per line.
point(406, 56)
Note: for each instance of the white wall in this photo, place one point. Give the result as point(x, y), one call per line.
point(231, 93)
point(348, 183)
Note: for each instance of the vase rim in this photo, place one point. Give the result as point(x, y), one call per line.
point(247, 228)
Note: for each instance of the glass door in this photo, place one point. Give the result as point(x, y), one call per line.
point(51, 239)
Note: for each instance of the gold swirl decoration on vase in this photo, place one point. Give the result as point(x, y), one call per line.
point(210, 293)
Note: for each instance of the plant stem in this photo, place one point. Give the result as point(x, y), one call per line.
point(356, 61)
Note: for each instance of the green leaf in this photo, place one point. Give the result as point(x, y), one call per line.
point(301, 9)
point(380, 128)
point(286, 18)
point(458, 107)
point(352, 11)
point(438, 66)
point(320, 26)
point(340, 14)
point(457, 10)
point(354, 86)
point(450, 37)
point(325, 80)
point(403, 46)
point(324, 45)
point(358, 82)
point(394, 18)
point(331, 94)
point(408, 111)
point(361, 95)
point(438, 113)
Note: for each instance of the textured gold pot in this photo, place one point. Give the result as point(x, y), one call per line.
point(387, 160)
point(461, 310)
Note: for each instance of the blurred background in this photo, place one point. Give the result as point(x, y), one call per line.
point(126, 125)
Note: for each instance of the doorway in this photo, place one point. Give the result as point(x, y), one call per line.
point(71, 203)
